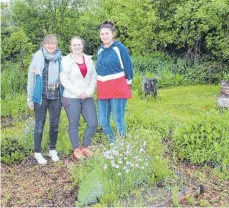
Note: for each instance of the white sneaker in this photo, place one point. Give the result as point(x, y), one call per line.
point(53, 155)
point(40, 159)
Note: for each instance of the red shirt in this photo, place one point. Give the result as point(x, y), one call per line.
point(83, 67)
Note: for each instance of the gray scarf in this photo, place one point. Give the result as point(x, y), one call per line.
point(54, 65)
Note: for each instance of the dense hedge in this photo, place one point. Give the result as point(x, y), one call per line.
point(191, 29)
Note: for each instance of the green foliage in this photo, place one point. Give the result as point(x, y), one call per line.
point(11, 150)
point(204, 138)
point(13, 81)
point(27, 138)
point(151, 118)
point(91, 189)
point(175, 72)
point(14, 110)
point(192, 29)
point(50, 16)
point(121, 167)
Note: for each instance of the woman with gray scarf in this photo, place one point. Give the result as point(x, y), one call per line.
point(43, 93)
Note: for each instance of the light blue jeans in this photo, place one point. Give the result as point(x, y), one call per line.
point(116, 106)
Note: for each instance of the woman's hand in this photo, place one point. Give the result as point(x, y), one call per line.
point(83, 95)
point(31, 107)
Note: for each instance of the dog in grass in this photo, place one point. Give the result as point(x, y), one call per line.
point(149, 86)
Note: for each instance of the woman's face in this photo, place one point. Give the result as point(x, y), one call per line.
point(76, 46)
point(106, 36)
point(50, 47)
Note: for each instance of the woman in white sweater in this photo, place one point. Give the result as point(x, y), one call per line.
point(79, 80)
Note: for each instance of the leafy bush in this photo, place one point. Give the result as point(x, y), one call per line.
point(91, 189)
point(12, 151)
point(174, 71)
point(204, 138)
point(14, 110)
point(13, 80)
point(206, 73)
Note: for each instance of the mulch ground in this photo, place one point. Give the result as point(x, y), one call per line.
point(30, 185)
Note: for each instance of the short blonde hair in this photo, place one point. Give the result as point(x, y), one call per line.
point(51, 38)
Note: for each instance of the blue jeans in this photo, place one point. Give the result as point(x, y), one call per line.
point(117, 107)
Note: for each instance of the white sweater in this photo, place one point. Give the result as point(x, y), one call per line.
point(73, 81)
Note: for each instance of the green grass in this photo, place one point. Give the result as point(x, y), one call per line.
point(178, 102)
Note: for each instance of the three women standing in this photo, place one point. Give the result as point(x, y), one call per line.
point(114, 78)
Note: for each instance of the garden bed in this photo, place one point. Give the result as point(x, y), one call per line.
point(30, 185)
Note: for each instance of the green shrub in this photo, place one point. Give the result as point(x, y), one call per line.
point(173, 71)
point(12, 151)
point(13, 81)
point(91, 189)
point(204, 138)
point(206, 73)
point(14, 110)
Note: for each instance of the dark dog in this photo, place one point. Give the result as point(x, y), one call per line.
point(149, 86)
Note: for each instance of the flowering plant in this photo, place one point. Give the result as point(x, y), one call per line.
point(125, 165)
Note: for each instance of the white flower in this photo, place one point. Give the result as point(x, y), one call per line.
point(110, 157)
point(142, 167)
point(142, 150)
point(113, 165)
point(120, 161)
point(127, 171)
point(105, 167)
point(119, 174)
point(137, 166)
point(116, 166)
point(115, 152)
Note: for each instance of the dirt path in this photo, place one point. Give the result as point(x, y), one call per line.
point(31, 185)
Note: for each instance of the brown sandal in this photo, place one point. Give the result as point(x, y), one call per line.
point(78, 154)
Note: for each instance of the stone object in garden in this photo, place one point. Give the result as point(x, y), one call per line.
point(223, 99)
point(149, 86)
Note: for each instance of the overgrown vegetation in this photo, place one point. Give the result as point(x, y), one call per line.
point(181, 43)
point(204, 138)
point(186, 118)
point(163, 37)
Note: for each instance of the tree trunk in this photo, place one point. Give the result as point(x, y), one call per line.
point(223, 100)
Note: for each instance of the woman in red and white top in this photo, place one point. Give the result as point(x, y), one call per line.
point(79, 80)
